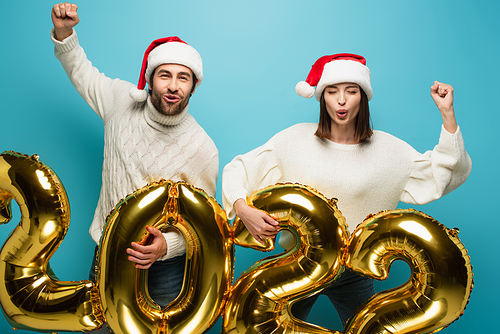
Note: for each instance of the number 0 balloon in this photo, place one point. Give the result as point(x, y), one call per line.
point(209, 264)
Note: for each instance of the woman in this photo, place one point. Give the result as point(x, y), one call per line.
point(342, 157)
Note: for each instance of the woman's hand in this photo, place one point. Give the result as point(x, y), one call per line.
point(259, 224)
point(442, 94)
point(64, 18)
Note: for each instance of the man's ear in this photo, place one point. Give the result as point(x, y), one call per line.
point(195, 81)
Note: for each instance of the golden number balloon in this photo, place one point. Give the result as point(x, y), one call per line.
point(127, 306)
point(441, 273)
point(31, 296)
point(261, 298)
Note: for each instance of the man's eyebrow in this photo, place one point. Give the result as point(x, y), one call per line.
point(178, 73)
point(185, 73)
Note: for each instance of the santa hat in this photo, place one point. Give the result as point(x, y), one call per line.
point(167, 50)
point(334, 69)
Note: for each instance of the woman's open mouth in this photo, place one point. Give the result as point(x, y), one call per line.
point(342, 113)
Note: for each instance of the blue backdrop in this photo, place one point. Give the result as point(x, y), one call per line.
point(254, 53)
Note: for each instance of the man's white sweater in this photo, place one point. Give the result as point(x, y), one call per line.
point(365, 178)
point(141, 144)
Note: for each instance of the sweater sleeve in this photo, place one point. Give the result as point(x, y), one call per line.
point(249, 172)
point(176, 245)
point(100, 92)
point(436, 173)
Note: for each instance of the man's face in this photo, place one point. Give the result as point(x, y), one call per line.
point(171, 88)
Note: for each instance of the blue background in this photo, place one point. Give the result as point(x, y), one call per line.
point(254, 53)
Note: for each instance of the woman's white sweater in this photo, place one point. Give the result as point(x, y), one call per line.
point(365, 178)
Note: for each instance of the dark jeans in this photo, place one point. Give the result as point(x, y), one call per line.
point(164, 281)
point(347, 293)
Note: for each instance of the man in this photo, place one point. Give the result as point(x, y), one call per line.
point(146, 138)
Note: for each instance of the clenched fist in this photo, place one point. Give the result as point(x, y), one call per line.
point(442, 94)
point(64, 18)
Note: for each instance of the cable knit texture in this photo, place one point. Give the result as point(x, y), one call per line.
point(141, 144)
point(366, 178)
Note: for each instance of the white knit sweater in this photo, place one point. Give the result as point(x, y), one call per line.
point(141, 145)
point(366, 178)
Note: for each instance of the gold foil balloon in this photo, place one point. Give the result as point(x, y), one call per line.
point(441, 274)
point(31, 296)
point(261, 298)
point(127, 306)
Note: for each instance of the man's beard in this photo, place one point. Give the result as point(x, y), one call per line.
point(168, 109)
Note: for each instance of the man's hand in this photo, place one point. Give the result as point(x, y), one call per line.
point(148, 250)
point(64, 18)
point(442, 94)
point(258, 223)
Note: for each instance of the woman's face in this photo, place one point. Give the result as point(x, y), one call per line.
point(342, 102)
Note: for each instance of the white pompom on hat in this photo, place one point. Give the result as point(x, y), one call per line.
point(334, 69)
point(167, 50)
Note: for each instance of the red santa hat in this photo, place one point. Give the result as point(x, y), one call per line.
point(334, 69)
point(167, 50)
